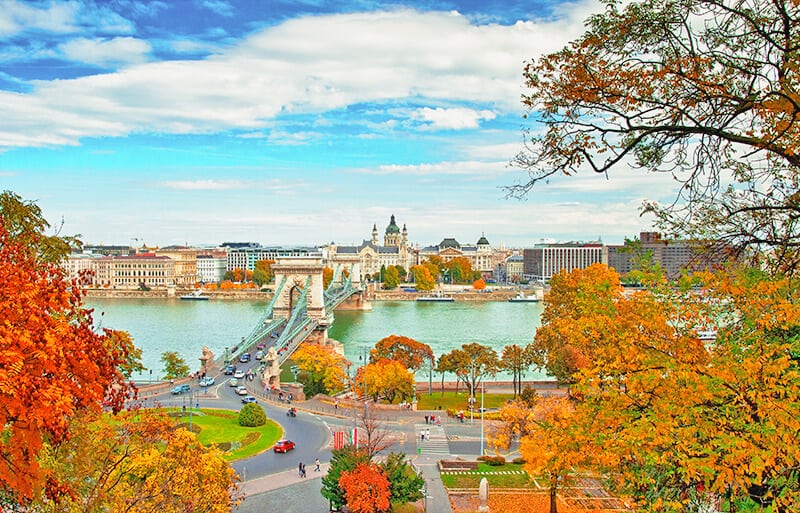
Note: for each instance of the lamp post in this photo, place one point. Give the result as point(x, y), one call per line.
point(483, 390)
point(151, 376)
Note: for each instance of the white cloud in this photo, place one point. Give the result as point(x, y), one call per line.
point(205, 185)
point(305, 65)
point(218, 6)
point(451, 119)
point(104, 52)
point(475, 168)
point(17, 16)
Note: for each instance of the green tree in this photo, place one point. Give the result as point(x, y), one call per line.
point(174, 365)
point(390, 278)
point(401, 272)
point(24, 223)
point(472, 363)
point(345, 459)
point(252, 415)
point(707, 91)
point(405, 485)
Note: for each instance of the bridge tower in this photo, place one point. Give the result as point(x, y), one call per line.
point(297, 271)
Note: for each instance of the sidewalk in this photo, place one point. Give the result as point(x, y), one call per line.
point(281, 479)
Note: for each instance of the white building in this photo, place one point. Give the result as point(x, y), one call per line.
point(211, 268)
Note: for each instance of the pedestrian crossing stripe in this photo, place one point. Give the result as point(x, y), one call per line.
point(489, 472)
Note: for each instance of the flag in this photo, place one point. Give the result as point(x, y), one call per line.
point(338, 439)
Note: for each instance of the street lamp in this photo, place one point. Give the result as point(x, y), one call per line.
point(483, 389)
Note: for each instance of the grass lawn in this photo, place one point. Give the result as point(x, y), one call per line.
point(473, 479)
point(459, 401)
point(221, 427)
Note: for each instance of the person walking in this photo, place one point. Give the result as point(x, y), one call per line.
point(428, 434)
point(316, 465)
point(300, 469)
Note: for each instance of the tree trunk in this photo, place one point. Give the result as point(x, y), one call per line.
point(553, 490)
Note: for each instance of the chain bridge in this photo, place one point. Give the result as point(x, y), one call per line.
point(301, 309)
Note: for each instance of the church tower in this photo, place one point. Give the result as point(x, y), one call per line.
point(392, 236)
point(374, 235)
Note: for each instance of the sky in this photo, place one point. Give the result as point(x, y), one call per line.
point(292, 123)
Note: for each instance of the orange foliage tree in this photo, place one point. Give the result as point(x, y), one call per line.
point(409, 352)
point(327, 277)
point(366, 489)
point(386, 379)
point(138, 462)
point(647, 86)
point(679, 416)
point(479, 284)
point(52, 361)
point(322, 369)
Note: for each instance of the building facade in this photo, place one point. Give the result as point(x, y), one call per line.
point(245, 257)
point(481, 255)
point(542, 261)
point(674, 256)
point(211, 267)
point(371, 256)
point(185, 259)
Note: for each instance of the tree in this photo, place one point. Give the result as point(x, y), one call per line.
point(405, 484)
point(517, 360)
point(472, 363)
point(374, 436)
point(705, 90)
point(401, 272)
point(54, 364)
point(263, 272)
point(137, 462)
point(479, 284)
point(386, 379)
point(322, 369)
point(252, 415)
point(133, 356)
point(391, 279)
point(423, 278)
point(342, 460)
point(327, 277)
point(174, 365)
point(409, 352)
point(366, 489)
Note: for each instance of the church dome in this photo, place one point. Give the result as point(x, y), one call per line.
point(392, 228)
point(482, 241)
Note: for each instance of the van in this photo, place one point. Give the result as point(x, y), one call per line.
point(259, 355)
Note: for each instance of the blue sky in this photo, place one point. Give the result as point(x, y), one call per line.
point(297, 122)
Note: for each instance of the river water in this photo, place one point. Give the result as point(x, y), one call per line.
point(159, 325)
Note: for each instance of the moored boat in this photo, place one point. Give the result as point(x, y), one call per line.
point(522, 298)
point(197, 295)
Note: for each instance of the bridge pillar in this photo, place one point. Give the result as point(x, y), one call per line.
point(297, 270)
point(355, 302)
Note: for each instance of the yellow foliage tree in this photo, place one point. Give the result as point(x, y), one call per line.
point(386, 379)
point(322, 369)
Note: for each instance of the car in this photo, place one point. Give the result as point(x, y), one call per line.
point(261, 345)
point(229, 370)
point(180, 389)
point(239, 374)
point(248, 399)
point(259, 355)
point(233, 382)
point(241, 390)
point(244, 358)
point(283, 445)
point(207, 381)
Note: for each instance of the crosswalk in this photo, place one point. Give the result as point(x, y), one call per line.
point(435, 441)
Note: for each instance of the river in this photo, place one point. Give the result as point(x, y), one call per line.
point(159, 325)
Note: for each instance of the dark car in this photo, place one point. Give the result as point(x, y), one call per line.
point(180, 389)
point(248, 399)
point(283, 446)
point(230, 369)
point(244, 358)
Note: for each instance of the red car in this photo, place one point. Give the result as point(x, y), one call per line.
point(283, 446)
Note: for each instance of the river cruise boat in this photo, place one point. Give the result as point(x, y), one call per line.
point(197, 295)
point(522, 298)
point(437, 297)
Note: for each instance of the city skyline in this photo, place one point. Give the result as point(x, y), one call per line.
point(292, 123)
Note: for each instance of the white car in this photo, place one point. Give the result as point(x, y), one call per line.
point(233, 382)
point(239, 374)
point(241, 390)
point(207, 381)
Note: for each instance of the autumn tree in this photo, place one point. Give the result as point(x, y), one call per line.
point(409, 352)
point(471, 364)
point(263, 272)
point(136, 462)
point(322, 369)
point(374, 434)
point(460, 269)
point(401, 272)
point(479, 284)
point(327, 277)
point(707, 91)
point(423, 278)
point(343, 460)
point(386, 379)
point(366, 489)
point(54, 363)
point(517, 360)
point(174, 365)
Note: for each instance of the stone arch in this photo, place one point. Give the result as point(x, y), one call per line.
point(297, 271)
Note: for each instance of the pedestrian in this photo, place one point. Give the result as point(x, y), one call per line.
point(336, 405)
point(426, 419)
point(316, 465)
point(428, 434)
point(422, 436)
point(300, 469)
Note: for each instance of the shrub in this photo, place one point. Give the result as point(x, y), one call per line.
point(250, 437)
point(518, 461)
point(494, 461)
point(252, 415)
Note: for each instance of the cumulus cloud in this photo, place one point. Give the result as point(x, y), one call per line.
point(451, 119)
point(218, 6)
point(474, 168)
point(105, 52)
point(205, 185)
point(306, 65)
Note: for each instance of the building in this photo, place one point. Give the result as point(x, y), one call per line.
point(674, 256)
point(514, 268)
point(480, 256)
point(211, 266)
point(542, 261)
point(246, 256)
point(185, 259)
point(371, 256)
point(81, 267)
